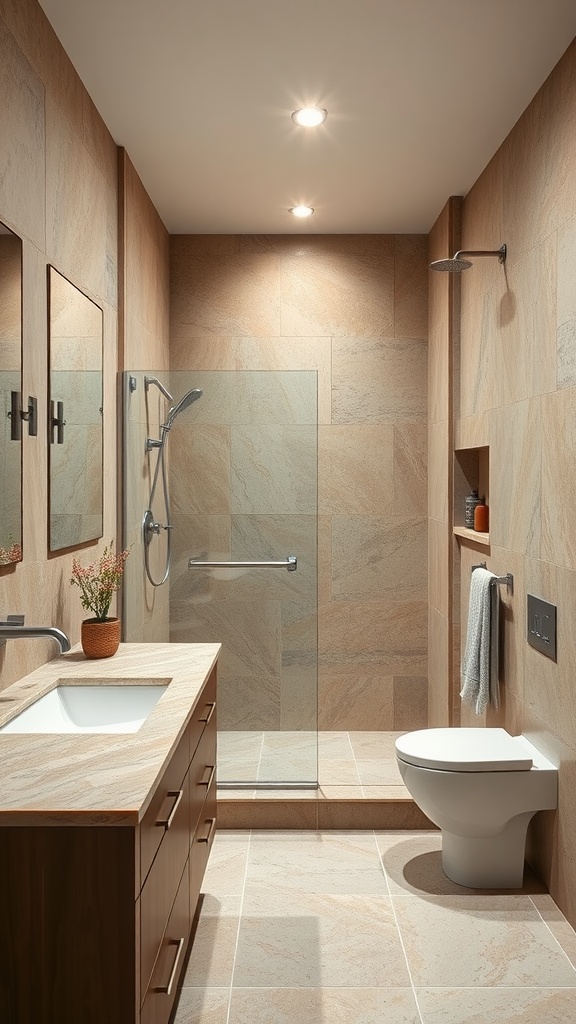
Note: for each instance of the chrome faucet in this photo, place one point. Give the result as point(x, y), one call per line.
point(13, 628)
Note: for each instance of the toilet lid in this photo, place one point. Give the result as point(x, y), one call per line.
point(464, 750)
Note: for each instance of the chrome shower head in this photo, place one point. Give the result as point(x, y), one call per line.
point(175, 410)
point(456, 265)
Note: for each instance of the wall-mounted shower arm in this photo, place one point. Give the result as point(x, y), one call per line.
point(154, 380)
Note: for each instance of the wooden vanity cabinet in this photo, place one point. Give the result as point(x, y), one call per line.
point(95, 921)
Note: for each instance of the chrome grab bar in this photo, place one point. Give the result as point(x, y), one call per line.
point(290, 563)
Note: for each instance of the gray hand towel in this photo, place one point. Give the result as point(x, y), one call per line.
point(480, 662)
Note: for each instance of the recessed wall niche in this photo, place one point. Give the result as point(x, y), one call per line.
point(471, 472)
point(74, 416)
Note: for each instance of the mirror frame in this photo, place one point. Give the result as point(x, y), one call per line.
point(11, 550)
point(58, 428)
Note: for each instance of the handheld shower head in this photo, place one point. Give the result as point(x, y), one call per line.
point(456, 265)
point(175, 410)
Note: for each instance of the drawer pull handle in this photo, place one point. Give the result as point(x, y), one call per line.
point(210, 713)
point(210, 769)
point(206, 839)
point(167, 989)
point(166, 822)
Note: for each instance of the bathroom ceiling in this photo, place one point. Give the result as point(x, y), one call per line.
point(419, 93)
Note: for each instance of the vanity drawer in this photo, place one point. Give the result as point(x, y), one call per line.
point(159, 890)
point(163, 987)
point(202, 774)
point(204, 714)
point(201, 846)
point(164, 806)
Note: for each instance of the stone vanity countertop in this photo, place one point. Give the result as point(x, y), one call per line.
point(103, 778)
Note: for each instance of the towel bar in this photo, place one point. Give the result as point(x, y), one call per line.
point(508, 579)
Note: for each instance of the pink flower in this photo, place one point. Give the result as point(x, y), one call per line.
point(99, 581)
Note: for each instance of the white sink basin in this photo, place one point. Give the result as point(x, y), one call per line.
point(80, 709)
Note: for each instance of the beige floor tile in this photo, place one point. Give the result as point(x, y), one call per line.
point(323, 1006)
point(413, 864)
point(378, 772)
point(320, 940)
point(394, 792)
point(212, 957)
point(319, 863)
point(334, 745)
point(330, 792)
point(497, 1006)
point(338, 772)
point(203, 1006)
point(374, 744)
point(226, 868)
point(482, 940)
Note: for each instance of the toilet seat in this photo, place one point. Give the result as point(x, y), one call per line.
point(465, 750)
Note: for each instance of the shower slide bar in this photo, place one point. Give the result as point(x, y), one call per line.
point(290, 563)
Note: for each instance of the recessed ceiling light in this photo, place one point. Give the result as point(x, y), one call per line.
point(301, 211)
point(309, 117)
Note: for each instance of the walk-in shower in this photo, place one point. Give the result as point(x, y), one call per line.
point(242, 473)
point(151, 528)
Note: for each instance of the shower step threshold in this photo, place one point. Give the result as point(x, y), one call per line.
point(328, 807)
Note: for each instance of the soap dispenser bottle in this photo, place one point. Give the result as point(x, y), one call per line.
point(470, 504)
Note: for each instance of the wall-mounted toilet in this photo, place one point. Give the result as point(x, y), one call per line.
point(481, 787)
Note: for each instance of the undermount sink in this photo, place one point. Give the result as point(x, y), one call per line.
point(88, 708)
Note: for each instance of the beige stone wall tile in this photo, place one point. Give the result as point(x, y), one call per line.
point(410, 469)
point(483, 225)
point(378, 380)
point(566, 285)
point(324, 559)
point(438, 677)
point(200, 467)
point(438, 446)
point(379, 557)
point(438, 565)
point(515, 476)
point(76, 206)
point(351, 701)
point(356, 469)
point(338, 285)
point(548, 685)
point(221, 295)
point(22, 128)
point(438, 351)
point(524, 349)
point(373, 637)
point(477, 389)
point(410, 286)
point(473, 431)
point(410, 702)
point(558, 427)
point(439, 284)
point(538, 162)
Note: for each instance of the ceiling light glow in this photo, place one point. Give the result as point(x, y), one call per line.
point(309, 117)
point(301, 211)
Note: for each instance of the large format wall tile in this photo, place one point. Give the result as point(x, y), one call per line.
point(558, 481)
point(338, 285)
point(22, 129)
point(378, 380)
point(375, 557)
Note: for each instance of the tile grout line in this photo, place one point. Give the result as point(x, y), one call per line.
point(401, 940)
point(556, 940)
point(355, 762)
point(240, 912)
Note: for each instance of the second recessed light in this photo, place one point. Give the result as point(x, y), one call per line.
point(309, 117)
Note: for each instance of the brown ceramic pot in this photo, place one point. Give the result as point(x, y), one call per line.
point(100, 639)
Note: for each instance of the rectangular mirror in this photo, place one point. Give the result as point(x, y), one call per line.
point(75, 415)
point(10, 396)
